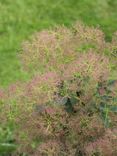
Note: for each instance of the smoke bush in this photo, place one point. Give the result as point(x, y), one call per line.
point(69, 105)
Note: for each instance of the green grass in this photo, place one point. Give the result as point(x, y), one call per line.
point(19, 19)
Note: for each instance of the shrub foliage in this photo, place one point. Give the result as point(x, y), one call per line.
point(69, 105)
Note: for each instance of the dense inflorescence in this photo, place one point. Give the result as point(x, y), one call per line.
point(69, 105)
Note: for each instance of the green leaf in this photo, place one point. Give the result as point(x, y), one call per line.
point(109, 107)
point(7, 147)
point(111, 82)
point(113, 109)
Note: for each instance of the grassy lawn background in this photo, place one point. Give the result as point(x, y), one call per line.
point(19, 19)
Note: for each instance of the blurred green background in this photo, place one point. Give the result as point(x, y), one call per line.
point(19, 19)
